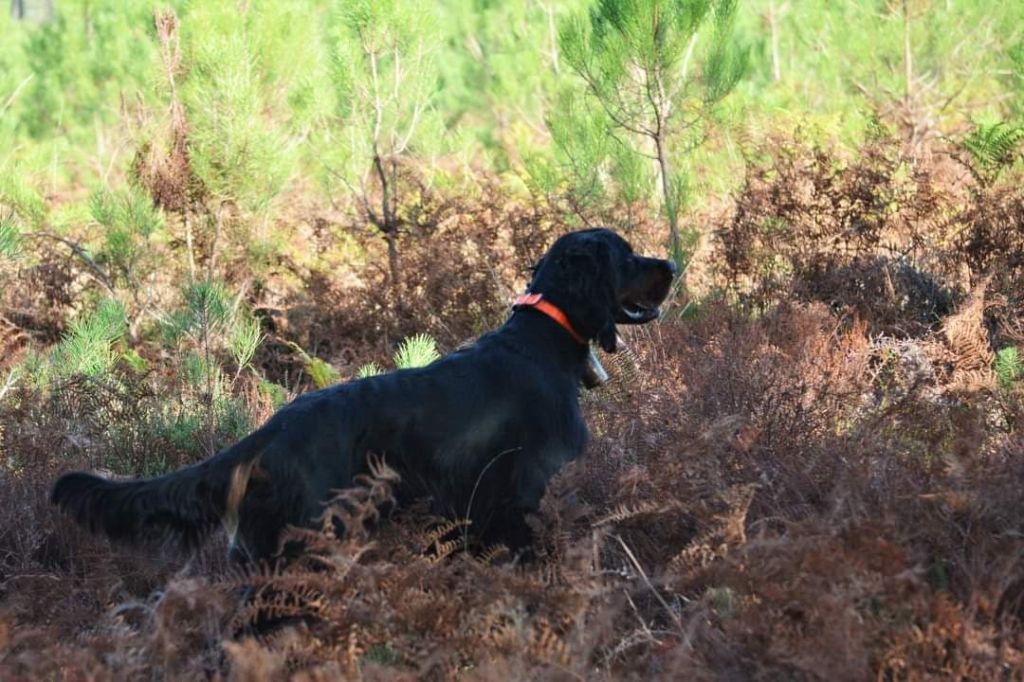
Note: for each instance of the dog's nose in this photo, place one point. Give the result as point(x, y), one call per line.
point(672, 267)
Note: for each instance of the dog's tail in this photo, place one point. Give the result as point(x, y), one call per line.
point(181, 508)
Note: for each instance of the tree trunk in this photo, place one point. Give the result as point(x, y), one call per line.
point(675, 242)
point(41, 11)
point(394, 272)
point(389, 226)
point(908, 56)
point(773, 26)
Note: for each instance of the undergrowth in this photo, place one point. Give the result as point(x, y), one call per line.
point(810, 473)
point(780, 497)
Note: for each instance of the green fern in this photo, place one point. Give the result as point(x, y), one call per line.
point(993, 148)
point(1009, 366)
point(277, 393)
point(416, 351)
point(322, 374)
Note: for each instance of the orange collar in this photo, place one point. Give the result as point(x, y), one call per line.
point(536, 302)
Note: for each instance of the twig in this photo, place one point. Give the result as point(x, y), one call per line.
point(472, 495)
point(77, 249)
point(14, 95)
point(12, 377)
point(636, 564)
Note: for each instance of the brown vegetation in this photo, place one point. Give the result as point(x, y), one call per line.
point(827, 489)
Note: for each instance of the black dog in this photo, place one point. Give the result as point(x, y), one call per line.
point(481, 431)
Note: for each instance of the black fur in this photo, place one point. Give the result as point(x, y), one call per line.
point(480, 431)
point(182, 506)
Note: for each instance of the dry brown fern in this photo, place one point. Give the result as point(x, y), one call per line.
point(968, 342)
point(725, 530)
point(625, 512)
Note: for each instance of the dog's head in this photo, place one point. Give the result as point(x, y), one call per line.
point(597, 280)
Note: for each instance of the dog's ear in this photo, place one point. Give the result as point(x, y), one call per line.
point(608, 338)
point(594, 285)
point(534, 269)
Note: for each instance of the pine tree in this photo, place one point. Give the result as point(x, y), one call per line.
point(637, 60)
point(385, 76)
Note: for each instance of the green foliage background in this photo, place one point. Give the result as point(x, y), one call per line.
point(287, 104)
point(266, 80)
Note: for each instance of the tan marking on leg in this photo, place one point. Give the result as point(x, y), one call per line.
point(236, 492)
